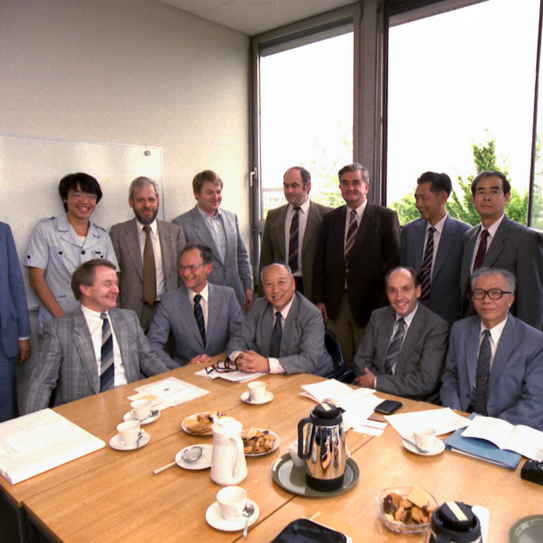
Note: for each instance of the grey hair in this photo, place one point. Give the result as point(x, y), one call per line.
point(141, 183)
point(355, 167)
point(282, 264)
point(484, 272)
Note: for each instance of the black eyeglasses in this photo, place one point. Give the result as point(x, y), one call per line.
point(227, 366)
point(493, 293)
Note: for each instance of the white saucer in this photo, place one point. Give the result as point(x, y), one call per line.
point(203, 462)
point(115, 442)
point(215, 519)
point(155, 414)
point(268, 397)
point(437, 448)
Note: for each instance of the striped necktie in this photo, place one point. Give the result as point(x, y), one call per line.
point(276, 337)
point(351, 235)
point(107, 368)
point(293, 242)
point(199, 316)
point(395, 347)
point(427, 261)
point(481, 251)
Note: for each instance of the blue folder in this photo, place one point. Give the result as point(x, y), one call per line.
point(481, 449)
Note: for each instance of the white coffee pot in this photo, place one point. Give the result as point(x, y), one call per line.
point(228, 465)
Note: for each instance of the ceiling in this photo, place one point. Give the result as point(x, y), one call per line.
point(256, 16)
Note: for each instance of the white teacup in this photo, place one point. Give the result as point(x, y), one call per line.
point(424, 438)
point(293, 450)
point(231, 500)
point(129, 432)
point(141, 409)
point(257, 391)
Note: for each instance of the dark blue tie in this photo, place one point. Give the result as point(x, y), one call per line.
point(107, 368)
point(483, 373)
point(199, 316)
point(276, 337)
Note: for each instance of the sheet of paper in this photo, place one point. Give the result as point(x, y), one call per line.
point(172, 391)
point(329, 390)
point(442, 420)
point(234, 376)
point(371, 427)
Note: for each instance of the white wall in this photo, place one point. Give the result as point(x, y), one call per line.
point(136, 72)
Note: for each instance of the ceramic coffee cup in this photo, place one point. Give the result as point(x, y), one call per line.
point(231, 500)
point(129, 432)
point(424, 438)
point(257, 391)
point(141, 409)
point(293, 450)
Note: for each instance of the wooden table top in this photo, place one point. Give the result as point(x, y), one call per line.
point(113, 496)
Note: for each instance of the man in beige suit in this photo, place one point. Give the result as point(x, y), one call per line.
point(291, 231)
point(146, 239)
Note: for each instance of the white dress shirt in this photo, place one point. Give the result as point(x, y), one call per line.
point(94, 322)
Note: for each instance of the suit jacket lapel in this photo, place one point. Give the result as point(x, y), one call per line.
point(83, 342)
point(188, 315)
point(311, 227)
point(420, 236)
point(366, 225)
point(213, 308)
point(384, 336)
point(279, 231)
point(497, 245)
point(446, 241)
point(290, 328)
point(503, 352)
point(120, 329)
point(466, 259)
point(165, 249)
point(133, 245)
point(204, 234)
point(267, 323)
point(339, 231)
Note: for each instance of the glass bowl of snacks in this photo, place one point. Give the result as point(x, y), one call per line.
point(406, 509)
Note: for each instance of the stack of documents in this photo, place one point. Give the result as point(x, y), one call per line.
point(169, 392)
point(38, 442)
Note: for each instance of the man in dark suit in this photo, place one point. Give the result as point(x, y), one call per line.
point(201, 316)
point(93, 349)
point(218, 229)
point(499, 242)
point(281, 333)
point(358, 244)
point(495, 361)
point(433, 245)
point(14, 323)
point(403, 350)
point(145, 239)
point(291, 231)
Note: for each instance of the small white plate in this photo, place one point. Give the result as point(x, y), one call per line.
point(437, 448)
point(194, 417)
point(116, 443)
point(155, 414)
point(268, 397)
point(276, 444)
point(203, 462)
point(215, 520)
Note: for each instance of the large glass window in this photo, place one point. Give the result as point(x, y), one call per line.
point(460, 88)
point(306, 115)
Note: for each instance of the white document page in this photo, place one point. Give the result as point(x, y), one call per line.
point(170, 391)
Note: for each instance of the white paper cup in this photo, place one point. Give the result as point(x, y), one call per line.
point(231, 500)
point(141, 409)
point(424, 438)
point(128, 432)
point(257, 390)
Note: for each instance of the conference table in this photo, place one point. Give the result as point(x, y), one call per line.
point(110, 495)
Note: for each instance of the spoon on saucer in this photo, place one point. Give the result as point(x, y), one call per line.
point(248, 510)
point(189, 456)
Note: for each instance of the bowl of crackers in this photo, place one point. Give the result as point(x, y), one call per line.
point(406, 509)
point(257, 442)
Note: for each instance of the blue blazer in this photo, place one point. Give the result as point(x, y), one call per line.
point(175, 313)
point(235, 271)
point(445, 299)
point(14, 321)
point(515, 387)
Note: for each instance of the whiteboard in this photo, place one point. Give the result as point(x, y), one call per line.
point(31, 169)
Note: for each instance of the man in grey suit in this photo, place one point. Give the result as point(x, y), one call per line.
point(218, 229)
point(495, 361)
point(92, 349)
point(283, 332)
point(201, 316)
point(404, 348)
point(499, 242)
point(291, 231)
point(433, 245)
point(146, 237)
